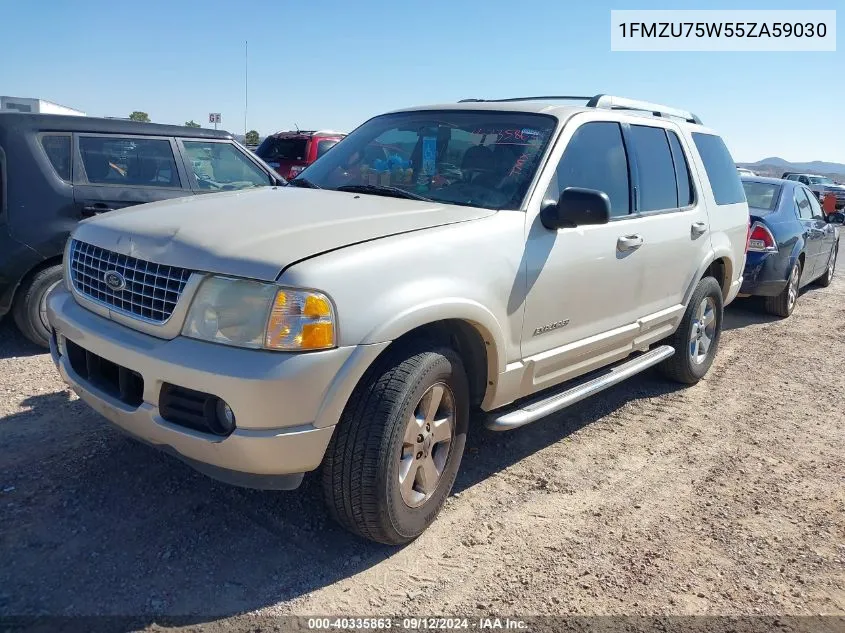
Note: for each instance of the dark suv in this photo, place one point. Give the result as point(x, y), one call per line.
point(57, 170)
point(291, 152)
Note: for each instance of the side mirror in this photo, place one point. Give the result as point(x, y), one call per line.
point(836, 218)
point(576, 207)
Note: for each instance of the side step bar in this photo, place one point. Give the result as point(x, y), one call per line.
point(537, 409)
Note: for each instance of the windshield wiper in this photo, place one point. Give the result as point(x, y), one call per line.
point(303, 182)
point(382, 190)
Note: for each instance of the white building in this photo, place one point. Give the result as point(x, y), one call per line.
point(38, 106)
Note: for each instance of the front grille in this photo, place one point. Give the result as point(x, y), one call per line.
point(117, 381)
point(139, 288)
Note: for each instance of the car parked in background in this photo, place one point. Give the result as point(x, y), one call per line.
point(792, 243)
point(745, 172)
point(57, 170)
point(820, 186)
point(291, 152)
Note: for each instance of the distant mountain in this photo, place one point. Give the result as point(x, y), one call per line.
point(813, 167)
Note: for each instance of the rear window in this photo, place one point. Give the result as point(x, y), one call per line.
point(761, 195)
point(57, 148)
point(720, 168)
point(274, 149)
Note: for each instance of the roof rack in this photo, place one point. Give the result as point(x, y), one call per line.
point(607, 102)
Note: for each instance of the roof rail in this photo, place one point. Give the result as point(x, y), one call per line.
point(610, 102)
point(607, 102)
point(552, 98)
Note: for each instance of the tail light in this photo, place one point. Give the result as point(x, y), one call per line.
point(761, 240)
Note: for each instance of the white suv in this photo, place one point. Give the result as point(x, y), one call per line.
point(509, 257)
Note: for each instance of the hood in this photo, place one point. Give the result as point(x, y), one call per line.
point(258, 233)
point(832, 187)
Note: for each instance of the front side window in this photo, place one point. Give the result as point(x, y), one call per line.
point(595, 158)
point(223, 167)
point(720, 168)
point(658, 187)
point(118, 160)
point(463, 157)
point(802, 203)
point(57, 148)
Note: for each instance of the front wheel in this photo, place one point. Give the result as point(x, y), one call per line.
point(30, 308)
point(697, 338)
point(395, 454)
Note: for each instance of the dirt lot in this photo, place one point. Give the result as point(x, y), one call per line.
point(725, 498)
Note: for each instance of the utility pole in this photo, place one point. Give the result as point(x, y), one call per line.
point(246, 85)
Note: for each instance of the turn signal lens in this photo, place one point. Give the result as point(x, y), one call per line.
point(300, 320)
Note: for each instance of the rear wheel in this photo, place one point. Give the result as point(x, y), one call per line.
point(697, 338)
point(30, 308)
point(824, 280)
point(784, 304)
point(394, 455)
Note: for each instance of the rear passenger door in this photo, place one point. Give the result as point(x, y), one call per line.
point(816, 247)
point(671, 222)
point(120, 171)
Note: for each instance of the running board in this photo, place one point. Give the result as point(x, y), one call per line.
point(537, 409)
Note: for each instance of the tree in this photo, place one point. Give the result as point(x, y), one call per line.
point(191, 123)
point(251, 137)
point(143, 117)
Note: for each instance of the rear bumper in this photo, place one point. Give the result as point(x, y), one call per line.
point(765, 274)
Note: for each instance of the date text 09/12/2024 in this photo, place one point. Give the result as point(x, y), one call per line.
point(416, 624)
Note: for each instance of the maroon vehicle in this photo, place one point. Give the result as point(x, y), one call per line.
point(291, 152)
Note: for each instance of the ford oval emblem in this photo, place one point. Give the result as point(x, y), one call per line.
point(114, 280)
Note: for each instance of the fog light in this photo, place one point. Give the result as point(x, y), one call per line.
point(225, 417)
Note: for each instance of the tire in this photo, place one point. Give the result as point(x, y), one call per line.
point(374, 444)
point(29, 309)
point(825, 280)
point(696, 346)
point(784, 304)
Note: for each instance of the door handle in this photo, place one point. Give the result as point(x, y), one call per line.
point(698, 228)
point(94, 209)
point(629, 242)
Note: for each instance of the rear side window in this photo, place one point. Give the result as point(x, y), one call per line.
point(128, 161)
point(686, 192)
point(274, 149)
point(720, 168)
point(658, 189)
point(803, 204)
point(595, 158)
point(325, 146)
point(57, 148)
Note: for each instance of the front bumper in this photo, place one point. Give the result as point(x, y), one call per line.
point(277, 398)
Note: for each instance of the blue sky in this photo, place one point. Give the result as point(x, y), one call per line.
point(332, 64)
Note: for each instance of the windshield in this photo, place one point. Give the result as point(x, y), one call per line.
point(761, 195)
point(820, 180)
point(274, 149)
point(472, 158)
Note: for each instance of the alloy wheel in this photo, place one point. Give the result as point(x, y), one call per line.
point(703, 330)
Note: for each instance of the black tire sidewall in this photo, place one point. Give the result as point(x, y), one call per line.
point(27, 310)
point(438, 366)
point(707, 287)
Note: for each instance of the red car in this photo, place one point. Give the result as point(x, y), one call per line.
point(291, 152)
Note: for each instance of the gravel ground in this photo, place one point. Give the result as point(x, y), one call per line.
point(724, 498)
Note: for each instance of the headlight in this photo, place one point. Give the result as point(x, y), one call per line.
point(260, 315)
